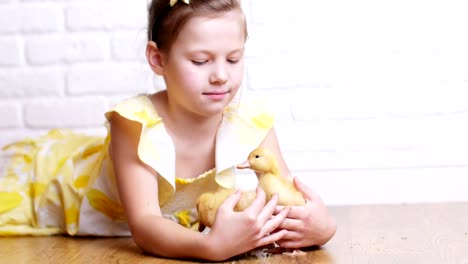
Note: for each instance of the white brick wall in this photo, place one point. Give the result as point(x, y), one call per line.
point(371, 97)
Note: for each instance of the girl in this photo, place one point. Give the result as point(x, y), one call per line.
point(162, 151)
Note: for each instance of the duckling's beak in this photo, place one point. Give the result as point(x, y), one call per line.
point(243, 165)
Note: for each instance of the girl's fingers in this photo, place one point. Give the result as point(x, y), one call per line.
point(291, 236)
point(278, 209)
point(290, 224)
point(272, 238)
point(306, 191)
point(267, 211)
point(289, 243)
point(257, 204)
point(231, 201)
point(297, 212)
point(273, 223)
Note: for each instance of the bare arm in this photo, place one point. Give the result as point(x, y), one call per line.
point(138, 189)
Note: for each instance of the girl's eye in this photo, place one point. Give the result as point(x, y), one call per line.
point(199, 62)
point(233, 61)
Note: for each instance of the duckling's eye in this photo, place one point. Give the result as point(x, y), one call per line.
point(257, 156)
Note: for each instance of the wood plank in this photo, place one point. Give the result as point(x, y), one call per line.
point(424, 233)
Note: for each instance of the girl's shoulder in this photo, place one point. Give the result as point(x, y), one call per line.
point(244, 127)
point(138, 108)
point(255, 112)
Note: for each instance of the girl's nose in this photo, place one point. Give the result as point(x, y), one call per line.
point(219, 75)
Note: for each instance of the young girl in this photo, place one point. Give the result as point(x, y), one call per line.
point(162, 151)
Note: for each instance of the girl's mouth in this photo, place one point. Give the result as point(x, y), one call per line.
point(216, 96)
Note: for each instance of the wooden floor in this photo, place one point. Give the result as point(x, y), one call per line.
point(428, 233)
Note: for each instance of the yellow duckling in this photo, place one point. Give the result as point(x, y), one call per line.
point(264, 163)
point(208, 203)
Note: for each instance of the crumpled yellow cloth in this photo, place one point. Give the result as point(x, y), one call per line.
point(63, 182)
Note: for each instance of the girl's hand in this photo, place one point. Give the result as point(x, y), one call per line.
point(234, 233)
point(307, 225)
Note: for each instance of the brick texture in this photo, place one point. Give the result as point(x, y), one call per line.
point(13, 56)
point(366, 94)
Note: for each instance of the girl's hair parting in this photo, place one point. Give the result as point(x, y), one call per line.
point(166, 21)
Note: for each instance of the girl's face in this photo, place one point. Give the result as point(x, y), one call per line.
point(204, 68)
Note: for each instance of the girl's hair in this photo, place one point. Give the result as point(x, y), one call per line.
point(165, 22)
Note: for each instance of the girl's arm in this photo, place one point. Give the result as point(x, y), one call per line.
point(307, 225)
point(138, 190)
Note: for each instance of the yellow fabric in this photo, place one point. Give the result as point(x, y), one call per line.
point(63, 182)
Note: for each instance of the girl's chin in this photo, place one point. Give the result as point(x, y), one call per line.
point(212, 109)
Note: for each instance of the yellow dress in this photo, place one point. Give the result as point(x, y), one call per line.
point(63, 182)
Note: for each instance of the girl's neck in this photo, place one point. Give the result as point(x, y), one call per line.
point(197, 128)
point(180, 124)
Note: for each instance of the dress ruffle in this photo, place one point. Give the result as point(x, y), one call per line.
point(63, 182)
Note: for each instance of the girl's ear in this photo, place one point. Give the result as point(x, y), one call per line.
point(155, 58)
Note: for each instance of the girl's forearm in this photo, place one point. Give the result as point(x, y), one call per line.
point(163, 237)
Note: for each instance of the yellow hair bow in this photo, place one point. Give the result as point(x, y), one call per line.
point(173, 2)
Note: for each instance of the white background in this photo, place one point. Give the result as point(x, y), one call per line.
point(371, 97)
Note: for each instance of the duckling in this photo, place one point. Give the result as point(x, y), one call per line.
point(264, 163)
point(209, 202)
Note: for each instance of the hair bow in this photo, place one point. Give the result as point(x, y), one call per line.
point(173, 2)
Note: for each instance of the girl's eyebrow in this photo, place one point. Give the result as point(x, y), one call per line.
point(210, 52)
